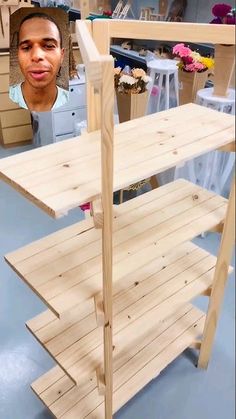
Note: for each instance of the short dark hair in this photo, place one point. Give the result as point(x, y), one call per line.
point(41, 15)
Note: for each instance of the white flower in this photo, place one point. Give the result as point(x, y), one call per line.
point(195, 55)
point(146, 79)
point(127, 80)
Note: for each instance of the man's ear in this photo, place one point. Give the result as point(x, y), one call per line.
point(62, 54)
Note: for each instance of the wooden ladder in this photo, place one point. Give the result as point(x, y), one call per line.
point(117, 10)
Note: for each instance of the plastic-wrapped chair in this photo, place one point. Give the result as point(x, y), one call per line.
point(213, 170)
point(164, 70)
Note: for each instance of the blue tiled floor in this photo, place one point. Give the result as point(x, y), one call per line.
point(180, 392)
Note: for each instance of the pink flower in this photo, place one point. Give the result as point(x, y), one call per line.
point(187, 60)
point(85, 207)
point(221, 9)
point(181, 50)
point(230, 20)
point(195, 66)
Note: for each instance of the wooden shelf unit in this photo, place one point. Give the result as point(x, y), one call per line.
point(166, 341)
point(118, 302)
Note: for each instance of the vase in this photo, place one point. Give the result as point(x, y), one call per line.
point(189, 84)
point(131, 106)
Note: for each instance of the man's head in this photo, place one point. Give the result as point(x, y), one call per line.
point(40, 51)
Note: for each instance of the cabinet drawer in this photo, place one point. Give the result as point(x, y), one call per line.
point(59, 138)
point(77, 98)
point(4, 83)
point(17, 134)
point(4, 64)
point(14, 118)
point(64, 122)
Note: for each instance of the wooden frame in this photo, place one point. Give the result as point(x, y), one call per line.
point(216, 34)
point(222, 36)
point(99, 71)
point(64, 268)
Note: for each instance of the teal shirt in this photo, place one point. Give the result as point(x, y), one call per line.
point(16, 95)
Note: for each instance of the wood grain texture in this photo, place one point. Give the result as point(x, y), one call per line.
point(107, 134)
point(167, 340)
point(66, 269)
point(77, 345)
point(62, 176)
point(169, 31)
point(224, 68)
point(219, 282)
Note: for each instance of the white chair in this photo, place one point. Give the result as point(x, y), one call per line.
point(164, 69)
point(213, 170)
point(205, 97)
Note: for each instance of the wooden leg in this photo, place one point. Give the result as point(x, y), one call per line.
point(220, 277)
point(154, 182)
point(121, 196)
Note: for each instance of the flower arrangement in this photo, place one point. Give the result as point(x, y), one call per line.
point(134, 82)
point(224, 13)
point(191, 61)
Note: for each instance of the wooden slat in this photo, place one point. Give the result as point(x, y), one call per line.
point(26, 164)
point(139, 149)
point(4, 63)
point(91, 57)
point(15, 118)
point(69, 272)
point(167, 340)
point(4, 83)
point(219, 281)
point(169, 31)
point(18, 134)
point(62, 176)
point(6, 104)
point(135, 310)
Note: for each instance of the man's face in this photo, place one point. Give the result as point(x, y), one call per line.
point(39, 53)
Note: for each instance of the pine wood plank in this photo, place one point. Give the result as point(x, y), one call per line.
point(4, 83)
point(67, 272)
point(66, 151)
point(14, 118)
point(79, 349)
point(6, 104)
point(167, 31)
point(167, 341)
point(13, 135)
point(219, 281)
point(70, 173)
point(139, 151)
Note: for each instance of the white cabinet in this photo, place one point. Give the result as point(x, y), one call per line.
point(65, 118)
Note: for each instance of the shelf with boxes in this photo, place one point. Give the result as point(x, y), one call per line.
point(15, 123)
point(115, 322)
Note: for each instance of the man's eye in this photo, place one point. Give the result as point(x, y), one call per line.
point(26, 48)
point(50, 46)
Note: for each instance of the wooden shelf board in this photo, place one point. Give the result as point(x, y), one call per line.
point(61, 176)
point(65, 269)
point(167, 341)
point(76, 343)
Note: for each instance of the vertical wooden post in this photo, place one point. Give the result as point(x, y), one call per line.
point(84, 9)
point(101, 37)
point(220, 277)
point(107, 109)
point(224, 67)
point(163, 6)
point(93, 99)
